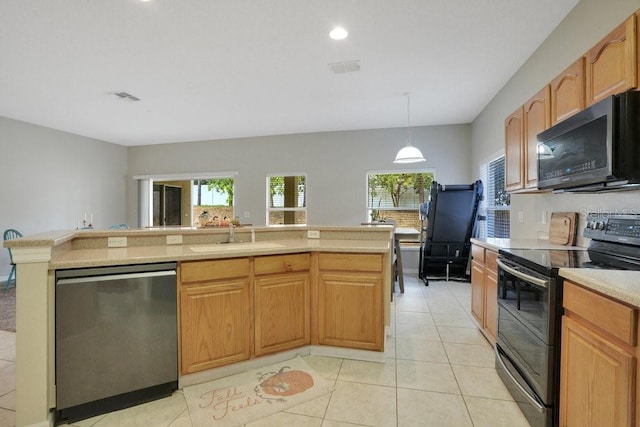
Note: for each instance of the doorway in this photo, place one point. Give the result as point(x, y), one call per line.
point(167, 205)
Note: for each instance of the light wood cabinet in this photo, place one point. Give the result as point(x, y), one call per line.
point(514, 136)
point(484, 290)
point(282, 302)
point(350, 295)
point(599, 360)
point(236, 309)
point(215, 314)
point(567, 92)
point(612, 63)
point(537, 118)
point(521, 132)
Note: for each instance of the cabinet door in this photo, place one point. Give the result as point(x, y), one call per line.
point(350, 310)
point(282, 312)
point(477, 291)
point(567, 92)
point(612, 63)
point(514, 133)
point(537, 118)
point(597, 379)
point(215, 324)
point(491, 303)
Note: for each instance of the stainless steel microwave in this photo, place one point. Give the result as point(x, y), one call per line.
point(597, 149)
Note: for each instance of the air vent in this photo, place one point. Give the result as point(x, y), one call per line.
point(126, 96)
point(345, 67)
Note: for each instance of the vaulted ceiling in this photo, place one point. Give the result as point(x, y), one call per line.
point(213, 69)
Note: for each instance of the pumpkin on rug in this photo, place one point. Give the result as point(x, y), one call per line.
point(242, 398)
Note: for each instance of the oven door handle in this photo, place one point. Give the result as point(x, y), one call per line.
point(531, 399)
point(520, 275)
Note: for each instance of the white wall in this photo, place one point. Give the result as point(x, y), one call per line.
point(335, 163)
point(71, 174)
point(587, 23)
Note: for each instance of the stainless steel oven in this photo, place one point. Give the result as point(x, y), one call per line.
point(526, 348)
point(530, 308)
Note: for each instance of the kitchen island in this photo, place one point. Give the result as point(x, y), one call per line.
point(352, 259)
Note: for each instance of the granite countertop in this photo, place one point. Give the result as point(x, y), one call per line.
point(496, 244)
point(619, 284)
point(162, 253)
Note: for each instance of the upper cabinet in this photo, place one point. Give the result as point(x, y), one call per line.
point(567, 92)
point(537, 118)
point(521, 134)
point(514, 136)
point(612, 63)
point(609, 68)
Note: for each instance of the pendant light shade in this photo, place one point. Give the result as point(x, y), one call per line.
point(408, 153)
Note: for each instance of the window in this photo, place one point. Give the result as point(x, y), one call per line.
point(180, 199)
point(212, 201)
point(287, 200)
point(397, 196)
point(495, 206)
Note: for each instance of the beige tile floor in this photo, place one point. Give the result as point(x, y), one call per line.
point(438, 372)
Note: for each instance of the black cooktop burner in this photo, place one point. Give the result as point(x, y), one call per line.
point(548, 261)
point(615, 245)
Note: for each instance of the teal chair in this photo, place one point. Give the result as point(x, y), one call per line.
point(10, 234)
point(119, 227)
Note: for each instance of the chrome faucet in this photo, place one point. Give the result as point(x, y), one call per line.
point(232, 234)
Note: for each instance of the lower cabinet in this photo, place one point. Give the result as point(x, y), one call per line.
point(282, 302)
point(239, 308)
point(598, 361)
point(484, 290)
point(350, 295)
point(215, 314)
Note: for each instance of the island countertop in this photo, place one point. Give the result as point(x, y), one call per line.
point(161, 253)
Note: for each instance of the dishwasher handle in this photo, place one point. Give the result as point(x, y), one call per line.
point(93, 279)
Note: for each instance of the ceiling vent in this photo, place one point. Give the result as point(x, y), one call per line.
point(345, 67)
point(126, 96)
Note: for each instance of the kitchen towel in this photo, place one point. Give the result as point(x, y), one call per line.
point(250, 396)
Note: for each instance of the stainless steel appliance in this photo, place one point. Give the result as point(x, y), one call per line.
point(116, 338)
point(597, 149)
point(530, 309)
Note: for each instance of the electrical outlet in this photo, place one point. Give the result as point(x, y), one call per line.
point(313, 234)
point(174, 240)
point(246, 214)
point(520, 216)
point(117, 242)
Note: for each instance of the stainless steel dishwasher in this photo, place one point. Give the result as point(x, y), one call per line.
point(116, 338)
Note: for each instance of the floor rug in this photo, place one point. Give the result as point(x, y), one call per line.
point(250, 396)
point(7, 308)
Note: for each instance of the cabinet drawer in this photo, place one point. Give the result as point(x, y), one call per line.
point(350, 262)
point(617, 319)
point(282, 263)
point(477, 253)
point(199, 271)
point(490, 261)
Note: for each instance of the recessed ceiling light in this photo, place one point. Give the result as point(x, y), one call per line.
point(338, 33)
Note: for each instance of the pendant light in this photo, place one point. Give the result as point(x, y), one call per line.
point(408, 153)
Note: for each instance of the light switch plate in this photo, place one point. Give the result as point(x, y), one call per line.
point(117, 242)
